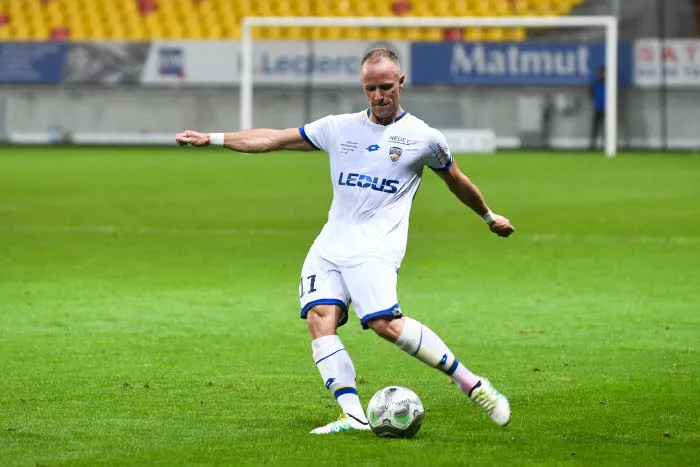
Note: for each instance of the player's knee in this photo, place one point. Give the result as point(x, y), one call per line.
point(388, 328)
point(319, 314)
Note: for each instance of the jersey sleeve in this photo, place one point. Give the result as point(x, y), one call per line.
point(319, 133)
point(438, 156)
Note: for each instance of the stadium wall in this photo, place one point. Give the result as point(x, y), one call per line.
point(43, 114)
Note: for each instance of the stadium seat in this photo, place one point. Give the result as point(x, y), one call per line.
point(413, 34)
point(60, 33)
point(220, 19)
point(453, 34)
point(4, 26)
point(474, 34)
point(494, 34)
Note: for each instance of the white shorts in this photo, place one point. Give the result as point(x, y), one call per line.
point(369, 286)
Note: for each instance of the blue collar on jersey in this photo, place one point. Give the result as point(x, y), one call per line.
point(397, 118)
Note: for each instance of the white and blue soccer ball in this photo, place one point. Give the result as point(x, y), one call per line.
point(395, 412)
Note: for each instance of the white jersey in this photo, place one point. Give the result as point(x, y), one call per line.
point(375, 171)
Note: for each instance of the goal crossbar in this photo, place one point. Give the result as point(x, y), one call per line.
point(609, 23)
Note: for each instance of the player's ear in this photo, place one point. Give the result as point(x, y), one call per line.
point(402, 78)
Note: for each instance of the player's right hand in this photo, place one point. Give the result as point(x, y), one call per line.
point(194, 138)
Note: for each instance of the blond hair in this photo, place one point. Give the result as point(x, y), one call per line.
point(379, 54)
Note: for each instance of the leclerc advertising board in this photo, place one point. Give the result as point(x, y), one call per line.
point(323, 62)
point(512, 63)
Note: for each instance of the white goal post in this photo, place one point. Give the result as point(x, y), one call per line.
point(609, 23)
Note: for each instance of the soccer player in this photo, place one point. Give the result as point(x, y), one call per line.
point(377, 158)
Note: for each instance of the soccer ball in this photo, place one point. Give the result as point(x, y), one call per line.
point(395, 412)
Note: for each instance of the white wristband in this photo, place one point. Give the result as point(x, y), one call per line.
point(216, 139)
point(488, 217)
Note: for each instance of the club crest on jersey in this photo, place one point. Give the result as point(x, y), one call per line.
point(394, 153)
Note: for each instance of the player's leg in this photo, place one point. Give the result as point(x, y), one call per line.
point(420, 341)
point(335, 366)
point(324, 304)
point(373, 288)
point(596, 126)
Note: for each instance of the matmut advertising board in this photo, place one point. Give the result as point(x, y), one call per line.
point(275, 63)
point(518, 63)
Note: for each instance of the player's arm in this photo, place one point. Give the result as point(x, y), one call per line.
point(250, 141)
point(469, 194)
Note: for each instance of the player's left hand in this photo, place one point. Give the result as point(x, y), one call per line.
point(501, 226)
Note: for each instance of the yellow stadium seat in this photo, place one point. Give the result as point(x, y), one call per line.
point(515, 34)
point(422, 9)
point(372, 34)
point(215, 32)
point(413, 34)
point(440, 7)
point(332, 33)
point(302, 9)
point(494, 34)
point(343, 8)
point(292, 33)
point(19, 33)
point(432, 34)
point(352, 34)
point(502, 9)
point(474, 34)
point(234, 32)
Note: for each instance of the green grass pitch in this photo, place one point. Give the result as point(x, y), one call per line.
point(149, 309)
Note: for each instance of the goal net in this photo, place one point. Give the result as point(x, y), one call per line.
point(483, 91)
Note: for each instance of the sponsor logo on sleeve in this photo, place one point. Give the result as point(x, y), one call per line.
point(441, 154)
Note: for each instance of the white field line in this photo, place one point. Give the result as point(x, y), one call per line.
point(535, 237)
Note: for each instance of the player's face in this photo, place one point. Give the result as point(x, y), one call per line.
point(382, 83)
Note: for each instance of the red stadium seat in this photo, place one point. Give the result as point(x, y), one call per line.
point(60, 33)
point(147, 6)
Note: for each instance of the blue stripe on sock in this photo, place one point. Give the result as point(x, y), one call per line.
point(323, 358)
point(342, 391)
point(453, 368)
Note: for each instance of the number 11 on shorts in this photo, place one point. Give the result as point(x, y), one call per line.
point(312, 285)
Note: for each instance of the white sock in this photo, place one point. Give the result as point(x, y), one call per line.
point(338, 374)
point(421, 342)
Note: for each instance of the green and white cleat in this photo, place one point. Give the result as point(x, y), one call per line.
point(346, 422)
point(491, 401)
